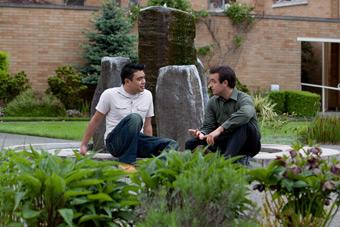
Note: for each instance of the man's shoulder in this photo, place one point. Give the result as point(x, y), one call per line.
point(213, 98)
point(146, 93)
point(111, 90)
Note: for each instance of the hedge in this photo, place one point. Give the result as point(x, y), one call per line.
point(300, 103)
point(279, 98)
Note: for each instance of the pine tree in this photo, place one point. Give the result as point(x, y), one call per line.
point(111, 38)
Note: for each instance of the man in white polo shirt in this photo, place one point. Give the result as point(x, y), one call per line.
point(127, 109)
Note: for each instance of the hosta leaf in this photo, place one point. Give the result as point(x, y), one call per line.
point(40, 174)
point(15, 224)
point(27, 213)
point(100, 196)
point(67, 215)
point(18, 197)
point(87, 182)
point(300, 184)
point(78, 175)
point(55, 188)
point(79, 201)
point(72, 193)
point(149, 182)
point(33, 183)
point(90, 217)
point(125, 203)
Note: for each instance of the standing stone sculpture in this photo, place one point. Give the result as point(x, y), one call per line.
point(166, 37)
point(110, 77)
point(179, 102)
point(203, 77)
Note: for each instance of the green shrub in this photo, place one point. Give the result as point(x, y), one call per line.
point(40, 189)
point(30, 104)
point(240, 14)
point(241, 87)
point(302, 103)
point(3, 62)
point(300, 190)
point(67, 86)
point(111, 37)
point(322, 130)
point(279, 99)
point(186, 189)
point(12, 85)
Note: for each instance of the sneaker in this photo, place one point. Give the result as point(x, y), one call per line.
point(127, 168)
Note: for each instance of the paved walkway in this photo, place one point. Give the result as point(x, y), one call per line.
point(13, 139)
point(7, 139)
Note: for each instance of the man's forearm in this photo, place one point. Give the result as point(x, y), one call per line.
point(91, 128)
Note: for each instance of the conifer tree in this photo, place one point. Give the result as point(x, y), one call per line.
point(110, 38)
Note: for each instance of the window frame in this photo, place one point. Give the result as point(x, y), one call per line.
point(286, 3)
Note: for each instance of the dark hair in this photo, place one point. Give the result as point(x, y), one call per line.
point(225, 73)
point(128, 71)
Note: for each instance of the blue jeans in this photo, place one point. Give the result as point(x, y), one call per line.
point(127, 143)
point(245, 140)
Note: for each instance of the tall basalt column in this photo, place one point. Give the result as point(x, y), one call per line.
point(166, 37)
point(179, 102)
point(111, 68)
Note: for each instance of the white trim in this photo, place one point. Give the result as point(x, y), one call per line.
point(319, 40)
point(289, 3)
point(320, 86)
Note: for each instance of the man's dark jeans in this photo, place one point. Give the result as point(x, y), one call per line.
point(245, 140)
point(127, 143)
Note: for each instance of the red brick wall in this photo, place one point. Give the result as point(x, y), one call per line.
point(40, 40)
point(270, 54)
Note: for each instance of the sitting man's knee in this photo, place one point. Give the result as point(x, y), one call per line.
point(135, 118)
point(173, 144)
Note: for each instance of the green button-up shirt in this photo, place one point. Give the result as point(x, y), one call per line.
point(230, 114)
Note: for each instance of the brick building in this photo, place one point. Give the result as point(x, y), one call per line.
point(41, 37)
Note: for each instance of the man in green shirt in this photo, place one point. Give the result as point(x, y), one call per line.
point(230, 122)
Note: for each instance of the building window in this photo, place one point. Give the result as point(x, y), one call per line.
point(75, 2)
point(217, 5)
point(283, 3)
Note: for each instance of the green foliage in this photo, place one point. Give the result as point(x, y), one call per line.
point(67, 86)
point(238, 40)
point(204, 50)
point(12, 86)
point(189, 189)
point(241, 87)
point(183, 5)
point(111, 38)
point(322, 130)
point(279, 99)
point(240, 14)
point(30, 104)
point(40, 189)
point(3, 62)
point(298, 188)
point(302, 103)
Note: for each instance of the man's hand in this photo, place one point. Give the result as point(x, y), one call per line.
point(197, 133)
point(83, 149)
point(211, 136)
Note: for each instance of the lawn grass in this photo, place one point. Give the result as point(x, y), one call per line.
point(287, 134)
point(72, 130)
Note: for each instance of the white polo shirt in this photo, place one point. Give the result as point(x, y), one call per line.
point(116, 103)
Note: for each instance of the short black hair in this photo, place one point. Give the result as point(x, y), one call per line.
point(129, 69)
point(225, 73)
